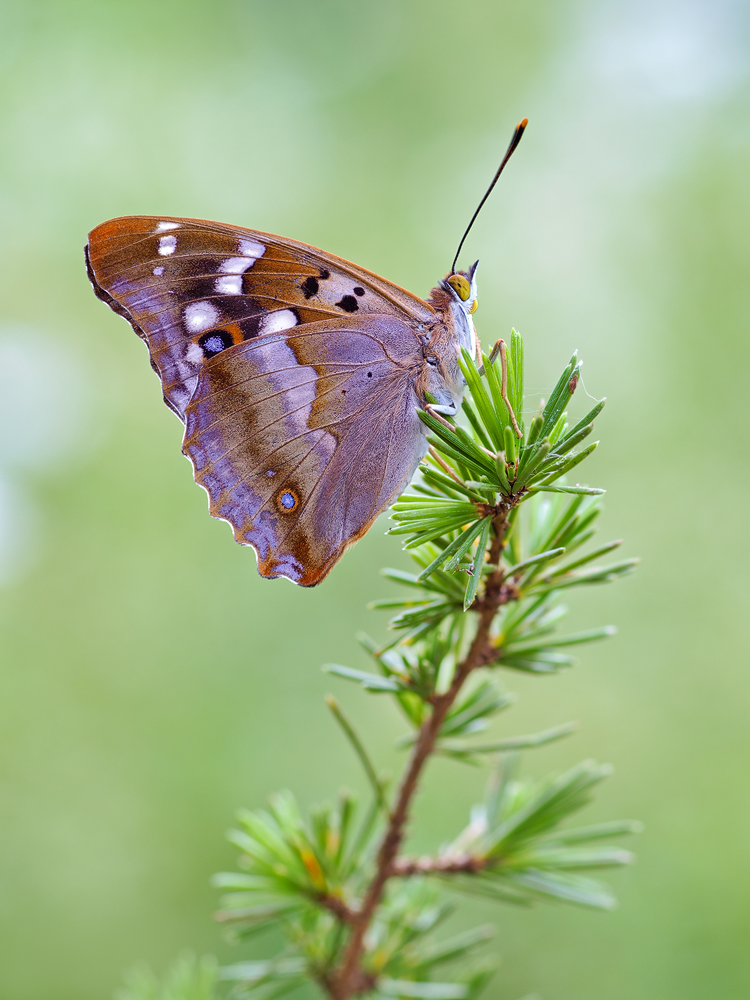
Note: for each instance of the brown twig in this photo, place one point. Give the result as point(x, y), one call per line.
point(347, 981)
point(337, 905)
point(449, 864)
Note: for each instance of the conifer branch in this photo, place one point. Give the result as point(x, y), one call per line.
point(356, 911)
point(450, 864)
point(345, 981)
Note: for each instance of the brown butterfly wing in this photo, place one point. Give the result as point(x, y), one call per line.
point(192, 288)
point(301, 439)
point(294, 370)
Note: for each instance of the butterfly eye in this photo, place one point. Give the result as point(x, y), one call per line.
point(460, 285)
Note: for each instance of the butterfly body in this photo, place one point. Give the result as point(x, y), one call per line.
point(297, 374)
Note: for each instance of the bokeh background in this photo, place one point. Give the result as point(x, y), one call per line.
point(151, 681)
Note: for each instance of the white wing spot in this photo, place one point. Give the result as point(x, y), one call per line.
point(167, 245)
point(236, 265)
point(275, 322)
point(251, 248)
point(158, 271)
point(200, 316)
point(194, 354)
point(229, 284)
point(168, 225)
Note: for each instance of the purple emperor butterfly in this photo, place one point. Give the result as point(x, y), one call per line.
point(297, 374)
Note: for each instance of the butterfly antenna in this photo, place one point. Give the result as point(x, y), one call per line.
point(520, 129)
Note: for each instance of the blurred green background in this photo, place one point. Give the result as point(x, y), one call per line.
point(151, 681)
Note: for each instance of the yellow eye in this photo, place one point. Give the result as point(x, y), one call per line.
point(474, 305)
point(460, 285)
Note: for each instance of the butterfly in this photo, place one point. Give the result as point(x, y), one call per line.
point(297, 374)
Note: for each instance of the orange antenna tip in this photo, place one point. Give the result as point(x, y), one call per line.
point(517, 133)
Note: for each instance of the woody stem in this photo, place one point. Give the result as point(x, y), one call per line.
point(350, 978)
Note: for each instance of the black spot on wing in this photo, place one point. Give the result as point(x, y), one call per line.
point(310, 287)
point(358, 290)
point(348, 304)
point(325, 275)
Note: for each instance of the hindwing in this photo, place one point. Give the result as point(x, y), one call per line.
point(301, 439)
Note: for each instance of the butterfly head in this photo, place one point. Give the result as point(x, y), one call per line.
point(463, 287)
point(456, 298)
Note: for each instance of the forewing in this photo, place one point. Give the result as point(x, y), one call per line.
point(301, 439)
point(193, 289)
